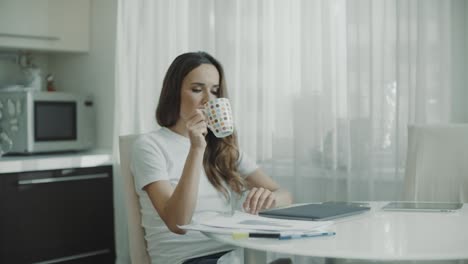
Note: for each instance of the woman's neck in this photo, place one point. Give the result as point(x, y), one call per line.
point(179, 128)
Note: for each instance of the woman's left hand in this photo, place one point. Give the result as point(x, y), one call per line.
point(258, 199)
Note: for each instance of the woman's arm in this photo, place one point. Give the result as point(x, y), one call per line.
point(175, 206)
point(264, 193)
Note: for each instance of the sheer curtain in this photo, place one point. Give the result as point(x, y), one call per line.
point(322, 91)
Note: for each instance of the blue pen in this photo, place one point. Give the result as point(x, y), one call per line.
point(294, 236)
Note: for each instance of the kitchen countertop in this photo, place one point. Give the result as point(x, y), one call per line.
point(82, 159)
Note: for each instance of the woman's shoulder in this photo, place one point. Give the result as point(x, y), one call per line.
point(149, 139)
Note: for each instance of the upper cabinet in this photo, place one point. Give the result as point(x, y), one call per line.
point(49, 25)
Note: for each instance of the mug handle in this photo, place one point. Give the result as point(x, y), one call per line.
point(208, 123)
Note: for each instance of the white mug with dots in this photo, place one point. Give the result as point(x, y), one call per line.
point(219, 117)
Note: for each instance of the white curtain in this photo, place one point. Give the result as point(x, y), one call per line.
point(322, 91)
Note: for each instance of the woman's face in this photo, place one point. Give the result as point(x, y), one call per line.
point(198, 87)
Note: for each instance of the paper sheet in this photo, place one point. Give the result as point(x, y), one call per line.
point(221, 223)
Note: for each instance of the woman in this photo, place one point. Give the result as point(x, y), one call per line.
point(182, 168)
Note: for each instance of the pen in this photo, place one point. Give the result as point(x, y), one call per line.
point(242, 235)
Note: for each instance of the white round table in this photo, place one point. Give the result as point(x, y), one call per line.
point(376, 235)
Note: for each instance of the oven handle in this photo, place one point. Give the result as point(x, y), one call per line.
point(64, 179)
point(78, 256)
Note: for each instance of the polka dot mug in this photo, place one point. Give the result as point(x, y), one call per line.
point(219, 114)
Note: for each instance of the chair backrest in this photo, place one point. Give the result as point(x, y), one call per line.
point(136, 233)
point(436, 164)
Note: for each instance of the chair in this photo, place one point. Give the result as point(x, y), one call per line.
point(436, 164)
point(136, 233)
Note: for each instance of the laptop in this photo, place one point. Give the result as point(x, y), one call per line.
point(316, 212)
point(422, 206)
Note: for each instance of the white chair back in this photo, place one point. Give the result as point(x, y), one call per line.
point(136, 233)
point(436, 163)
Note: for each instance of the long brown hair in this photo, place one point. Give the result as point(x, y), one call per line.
point(221, 154)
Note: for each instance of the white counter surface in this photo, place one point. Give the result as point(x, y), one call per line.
point(92, 158)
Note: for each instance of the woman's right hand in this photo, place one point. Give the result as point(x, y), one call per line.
point(197, 129)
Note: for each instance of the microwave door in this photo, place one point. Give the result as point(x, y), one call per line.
point(55, 125)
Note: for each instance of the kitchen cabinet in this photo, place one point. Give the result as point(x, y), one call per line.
point(49, 25)
point(57, 216)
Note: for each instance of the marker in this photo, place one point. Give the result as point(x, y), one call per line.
point(294, 236)
point(284, 236)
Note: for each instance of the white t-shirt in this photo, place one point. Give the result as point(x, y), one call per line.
point(161, 155)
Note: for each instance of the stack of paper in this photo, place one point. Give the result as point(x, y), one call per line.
point(243, 222)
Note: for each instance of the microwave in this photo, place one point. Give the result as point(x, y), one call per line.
point(38, 122)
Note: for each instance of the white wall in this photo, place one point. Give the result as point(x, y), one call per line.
point(93, 73)
point(11, 73)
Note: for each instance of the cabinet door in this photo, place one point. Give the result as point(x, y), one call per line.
point(24, 18)
point(58, 216)
point(3, 240)
point(56, 25)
